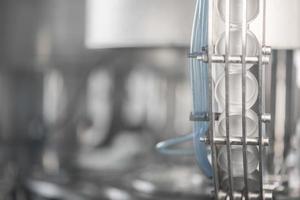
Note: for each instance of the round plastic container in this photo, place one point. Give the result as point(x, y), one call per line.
point(237, 159)
point(236, 10)
point(235, 124)
point(239, 184)
point(236, 47)
point(235, 91)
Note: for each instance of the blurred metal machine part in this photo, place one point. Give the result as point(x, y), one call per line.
point(40, 37)
point(231, 21)
point(119, 24)
point(113, 24)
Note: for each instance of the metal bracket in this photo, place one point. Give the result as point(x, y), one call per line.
point(237, 59)
point(236, 141)
point(204, 116)
point(266, 118)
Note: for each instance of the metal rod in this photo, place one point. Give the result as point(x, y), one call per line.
point(252, 195)
point(227, 54)
point(211, 99)
point(233, 59)
point(235, 141)
point(267, 50)
point(244, 54)
point(260, 101)
point(265, 118)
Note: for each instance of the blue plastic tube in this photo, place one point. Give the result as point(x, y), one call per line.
point(199, 83)
point(164, 146)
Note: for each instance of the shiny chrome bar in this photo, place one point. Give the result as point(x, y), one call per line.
point(266, 118)
point(227, 54)
point(211, 98)
point(252, 196)
point(260, 100)
point(236, 141)
point(244, 54)
point(262, 59)
point(234, 59)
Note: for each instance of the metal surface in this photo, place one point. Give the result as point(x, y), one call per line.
point(117, 23)
point(234, 159)
point(55, 42)
point(227, 100)
point(244, 53)
point(233, 59)
point(236, 141)
point(120, 63)
point(282, 20)
point(211, 99)
point(125, 16)
point(260, 100)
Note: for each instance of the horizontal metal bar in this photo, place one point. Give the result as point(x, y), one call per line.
point(233, 59)
point(236, 141)
point(252, 196)
point(266, 50)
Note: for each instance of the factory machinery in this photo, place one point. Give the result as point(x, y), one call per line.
point(89, 87)
point(227, 70)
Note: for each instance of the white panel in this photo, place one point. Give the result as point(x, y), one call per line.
point(139, 23)
point(283, 24)
point(131, 23)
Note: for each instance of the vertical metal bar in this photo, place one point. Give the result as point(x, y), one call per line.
point(244, 54)
point(211, 98)
point(227, 54)
point(260, 99)
point(290, 126)
point(274, 69)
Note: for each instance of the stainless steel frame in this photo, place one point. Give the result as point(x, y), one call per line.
point(262, 59)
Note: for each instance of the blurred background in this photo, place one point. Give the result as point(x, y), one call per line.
point(88, 87)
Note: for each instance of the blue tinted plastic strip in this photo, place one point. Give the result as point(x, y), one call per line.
point(200, 84)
